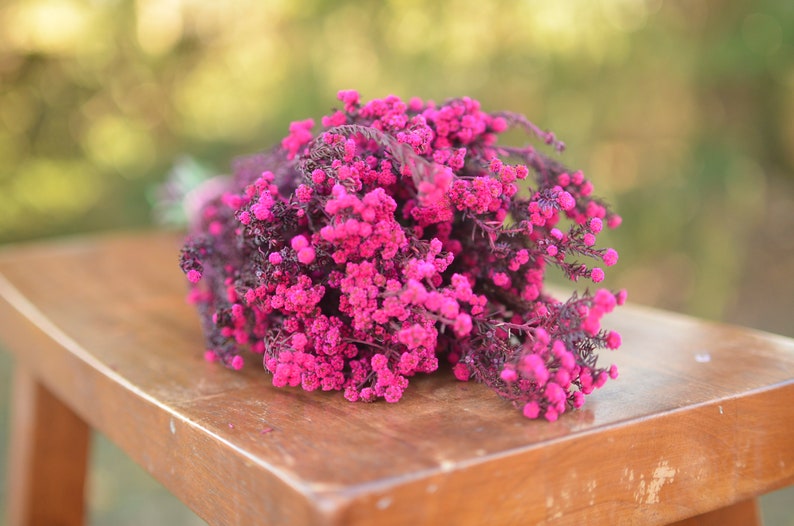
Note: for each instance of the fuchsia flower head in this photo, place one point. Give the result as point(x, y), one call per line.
point(360, 253)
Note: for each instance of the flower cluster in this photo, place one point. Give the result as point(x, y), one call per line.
point(401, 233)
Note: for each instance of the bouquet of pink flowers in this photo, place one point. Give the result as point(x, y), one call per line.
point(401, 233)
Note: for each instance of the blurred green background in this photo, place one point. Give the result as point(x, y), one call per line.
point(681, 112)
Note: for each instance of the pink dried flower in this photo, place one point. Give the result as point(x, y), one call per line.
point(237, 363)
point(306, 255)
point(461, 372)
point(610, 257)
point(531, 409)
point(355, 256)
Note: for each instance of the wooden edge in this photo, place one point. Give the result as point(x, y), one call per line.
point(721, 455)
point(744, 513)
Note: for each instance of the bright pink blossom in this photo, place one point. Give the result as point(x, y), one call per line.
point(610, 257)
point(237, 362)
point(461, 372)
point(356, 255)
point(306, 255)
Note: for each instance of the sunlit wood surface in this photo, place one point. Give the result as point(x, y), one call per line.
point(699, 419)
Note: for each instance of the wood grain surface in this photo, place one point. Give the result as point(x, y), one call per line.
point(700, 417)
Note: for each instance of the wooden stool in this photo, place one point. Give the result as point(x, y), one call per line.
point(698, 424)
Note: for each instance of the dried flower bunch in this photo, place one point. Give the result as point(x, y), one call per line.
point(402, 233)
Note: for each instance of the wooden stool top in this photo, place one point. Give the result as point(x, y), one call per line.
point(699, 418)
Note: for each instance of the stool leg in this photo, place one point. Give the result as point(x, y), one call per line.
point(48, 456)
point(745, 513)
